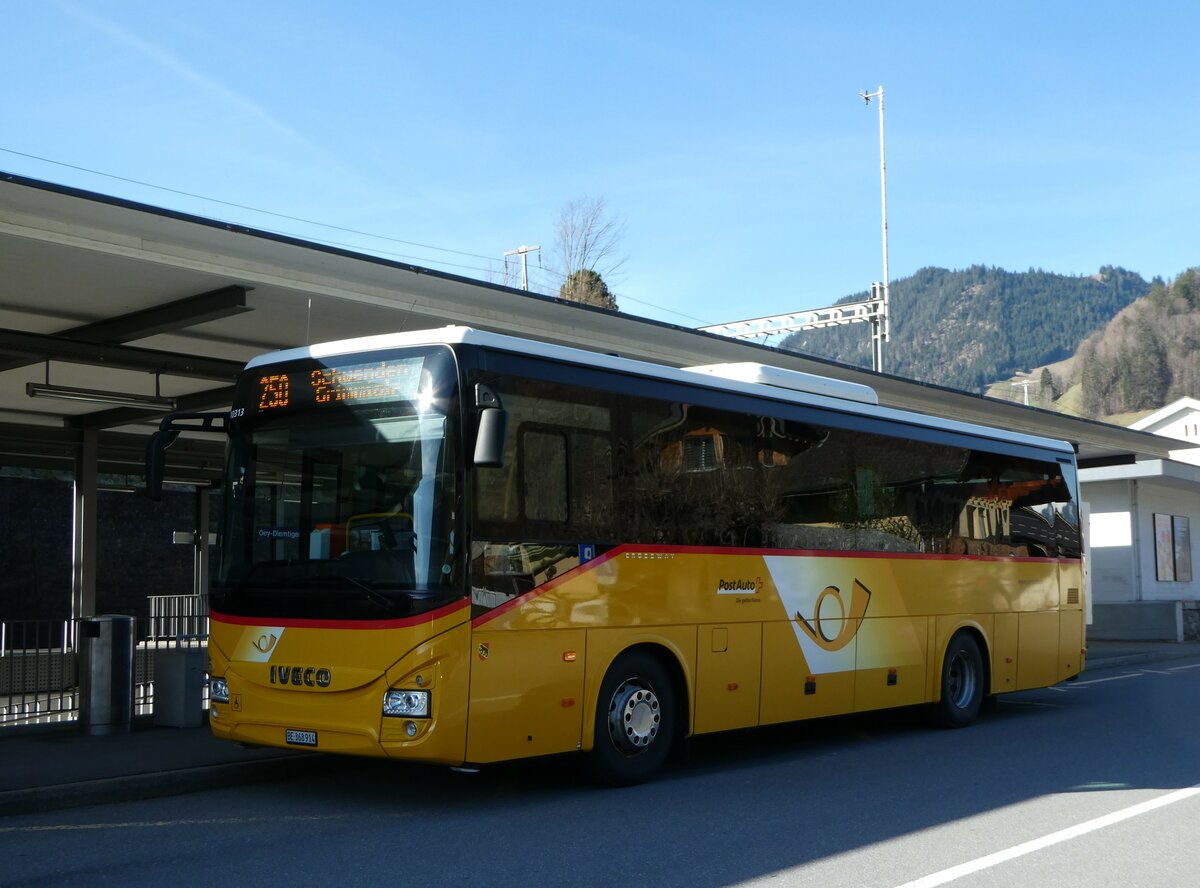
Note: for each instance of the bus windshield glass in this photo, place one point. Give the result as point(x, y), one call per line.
point(341, 498)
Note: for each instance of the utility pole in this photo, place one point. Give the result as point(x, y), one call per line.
point(1024, 384)
point(874, 309)
point(523, 252)
point(879, 328)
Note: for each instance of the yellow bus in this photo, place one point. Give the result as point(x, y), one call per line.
point(459, 547)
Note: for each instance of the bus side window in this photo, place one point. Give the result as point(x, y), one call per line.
point(543, 458)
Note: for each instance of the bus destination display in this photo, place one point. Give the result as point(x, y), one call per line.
point(376, 382)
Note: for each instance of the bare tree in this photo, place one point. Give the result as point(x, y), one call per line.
point(589, 240)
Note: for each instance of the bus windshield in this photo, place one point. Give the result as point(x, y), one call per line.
point(341, 499)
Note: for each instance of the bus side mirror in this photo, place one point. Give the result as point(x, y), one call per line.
point(156, 461)
point(493, 422)
point(489, 443)
point(168, 431)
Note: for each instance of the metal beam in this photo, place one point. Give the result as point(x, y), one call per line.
point(809, 319)
point(190, 458)
point(209, 399)
point(175, 315)
point(199, 309)
point(38, 347)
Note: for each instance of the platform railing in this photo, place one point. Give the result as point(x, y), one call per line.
point(177, 616)
point(38, 673)
point(39, 662)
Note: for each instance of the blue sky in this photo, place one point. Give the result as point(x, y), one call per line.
point(729, 137)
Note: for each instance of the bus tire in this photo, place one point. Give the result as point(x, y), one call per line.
point(635, 720)
point(963, 683)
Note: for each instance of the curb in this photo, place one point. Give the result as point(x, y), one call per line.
point(137, 787)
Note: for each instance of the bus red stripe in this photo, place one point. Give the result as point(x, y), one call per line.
point(299, 623)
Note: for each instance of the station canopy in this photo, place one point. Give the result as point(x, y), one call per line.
point(108, 296)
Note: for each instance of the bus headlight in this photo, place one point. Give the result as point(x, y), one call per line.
point(218, 690)
point(406, 704)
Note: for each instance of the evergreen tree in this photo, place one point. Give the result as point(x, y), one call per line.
point(588, 287)
point(1048, 390)
point(1093, 381)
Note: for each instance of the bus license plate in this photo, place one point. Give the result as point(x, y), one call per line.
point(300, 738)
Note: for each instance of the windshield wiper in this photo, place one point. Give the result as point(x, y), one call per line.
point(372, 594)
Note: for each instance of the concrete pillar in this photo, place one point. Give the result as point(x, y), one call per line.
point(83, 528)
point(200, 572)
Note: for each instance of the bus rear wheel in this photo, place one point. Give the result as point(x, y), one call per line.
point(962, 683)
point(635, 720)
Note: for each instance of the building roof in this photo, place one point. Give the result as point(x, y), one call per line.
point(1164, 416)
point(106, 294)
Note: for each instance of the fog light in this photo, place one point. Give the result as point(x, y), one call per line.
point(401, 703)
point(218, 690)
point(410, 728)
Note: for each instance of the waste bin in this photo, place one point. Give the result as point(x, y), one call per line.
point(106, 674)
point(179, 675)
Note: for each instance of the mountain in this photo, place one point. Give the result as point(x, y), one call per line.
point(1145, 357)
point(967, 328)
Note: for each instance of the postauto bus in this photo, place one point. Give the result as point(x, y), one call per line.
point(458, 547)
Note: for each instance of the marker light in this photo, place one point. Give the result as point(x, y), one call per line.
point(406, 704)
point(218, 690)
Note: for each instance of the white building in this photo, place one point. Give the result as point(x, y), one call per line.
point(1143, 517)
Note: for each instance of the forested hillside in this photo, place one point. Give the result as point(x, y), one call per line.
point(1147, 356)
point(968, 328)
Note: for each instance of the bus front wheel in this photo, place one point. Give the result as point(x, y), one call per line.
point(635, 720)
point(962, 683)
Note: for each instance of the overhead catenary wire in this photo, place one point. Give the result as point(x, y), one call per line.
point(347, 230)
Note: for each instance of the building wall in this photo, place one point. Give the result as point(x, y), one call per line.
point(135, 556)
point(1109, 539)
point(35, 558)
point(1164, 497)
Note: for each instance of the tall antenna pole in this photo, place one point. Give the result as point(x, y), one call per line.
point(881, 334)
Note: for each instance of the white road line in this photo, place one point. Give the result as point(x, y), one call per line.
point(1181, 668)
point(1096, 681)
point(1072, 832)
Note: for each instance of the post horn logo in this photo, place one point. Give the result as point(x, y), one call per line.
point(847, 620)
point(263, 644)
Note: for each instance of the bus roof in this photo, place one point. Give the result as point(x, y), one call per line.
point(760, 380)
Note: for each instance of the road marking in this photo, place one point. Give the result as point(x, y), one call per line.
point(1181, 668)
point(1096, 681)
point(144, 824)
point(1063, 835)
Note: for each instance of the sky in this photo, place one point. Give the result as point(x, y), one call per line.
point(729, 140)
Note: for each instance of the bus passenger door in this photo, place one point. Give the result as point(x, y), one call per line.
point(526, 693)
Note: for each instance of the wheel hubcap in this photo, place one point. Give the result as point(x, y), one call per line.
point(634, 717)
point(962, 681)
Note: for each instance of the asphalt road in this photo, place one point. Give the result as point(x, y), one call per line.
point(1073, 786)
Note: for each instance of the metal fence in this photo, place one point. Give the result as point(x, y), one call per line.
point(39, 661)
point(177, 616)
point(38, 680)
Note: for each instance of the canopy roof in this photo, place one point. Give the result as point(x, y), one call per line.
point(108, 295)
